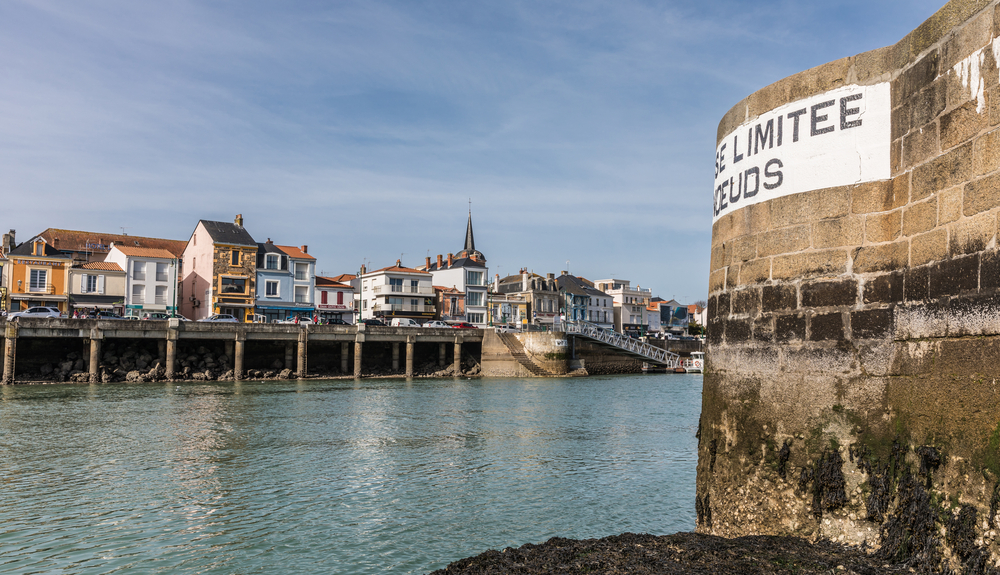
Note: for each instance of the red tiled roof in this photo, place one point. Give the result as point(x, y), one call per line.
point(294, 252)
point(82, 241)
point(399, 269)
point(344, 278)
point(105, 266)
point(330, 282)
point(144, 252)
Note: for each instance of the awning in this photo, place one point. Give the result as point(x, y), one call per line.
point(284, 308)
point(227, 304)
point(38, 297)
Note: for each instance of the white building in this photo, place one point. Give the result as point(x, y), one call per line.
point(630, 304)
point(334, 300)
point(465, 272)
point(601, 309)
point(396, 291)
point(150, 279)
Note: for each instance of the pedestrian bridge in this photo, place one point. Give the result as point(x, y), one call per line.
point(624, 344)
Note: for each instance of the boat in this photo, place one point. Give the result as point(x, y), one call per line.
point(693, 364)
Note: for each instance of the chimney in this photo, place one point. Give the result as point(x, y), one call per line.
point(362, 269)
point(550, 276)
point(398, 264)
point(239, 220)
point(524, 280)
point(564, 273)
point(449, 259)
point(8, 242)
point(427, 263)
point(439, 262)
point(305, 249)
point(269, 241)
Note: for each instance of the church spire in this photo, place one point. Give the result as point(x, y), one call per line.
point(470, 241)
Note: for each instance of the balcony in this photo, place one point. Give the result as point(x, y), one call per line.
point(387, 307)
point(418, 290)
point(43, 289)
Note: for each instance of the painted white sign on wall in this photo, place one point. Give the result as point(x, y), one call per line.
point(837, 138)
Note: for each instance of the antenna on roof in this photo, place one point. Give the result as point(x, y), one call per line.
point(124, 233)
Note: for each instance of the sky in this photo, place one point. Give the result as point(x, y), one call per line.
point(582, 133)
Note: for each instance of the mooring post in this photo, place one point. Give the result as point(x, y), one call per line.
point(344, 350)
point(357, 358)
point(409, 356)
point(96, 337)
point(173, 327)
point(303, 350)
point(395, 356)
point(9, 348)
point(458, 356)
point(238, 351)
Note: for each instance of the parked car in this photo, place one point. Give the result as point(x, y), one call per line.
point(335, 321)
point(505, 328)
point(436, 323)
point(104, 314)
point(373, 321)
point(38, 311)
point(463, 325)
point(158, 315)
point(403, 322)
point(221, 318)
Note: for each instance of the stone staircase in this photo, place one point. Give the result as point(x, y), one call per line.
point(517, 351)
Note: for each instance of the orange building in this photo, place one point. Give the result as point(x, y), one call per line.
point(36, 275)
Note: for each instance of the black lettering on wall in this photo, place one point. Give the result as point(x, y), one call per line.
point(775, 174)
point(722, 160)
point(780, 118)
point(845, 112)
point(764, 137)
point(736, 146)
point(735, 198)
point(747, 192)
point(795, 123)
point(722, 196)
point(817, 118)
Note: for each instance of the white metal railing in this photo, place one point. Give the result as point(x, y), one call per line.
point(615, 339)
point(420, 290)
point(400, 307)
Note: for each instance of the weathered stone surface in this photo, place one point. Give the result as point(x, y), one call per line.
point(915, 78)
point(778, 298)
point(881, 196)
point(986, 152)
point(942, 172)
point(783, 241)
point(989, 270)
point(920, 145)
point(746, 301)
point(952, 277)
point(829, 293)
point(982, 195)
point(829, 326)
point(790, 327)
point(950, 205)
point(929, 247)
point(838, 232)
point(886, 288)
point(871, 323)
point(972, 235)
point(915, 286)
point(919, 218)
point(755, 272)
point(925, 106)
point(881, 257)
point(826, 262)
point(883, 227)
point(808, 207)
point(961, 124)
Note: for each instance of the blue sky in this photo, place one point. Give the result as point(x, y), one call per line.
point(582, 132)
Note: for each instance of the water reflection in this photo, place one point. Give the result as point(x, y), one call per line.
point(363, 476)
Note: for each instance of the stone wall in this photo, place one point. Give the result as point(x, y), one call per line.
point(852, 390)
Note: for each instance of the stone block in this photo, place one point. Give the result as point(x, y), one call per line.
point(723, 303)
point(830, 293)
point(790, 327)
point(746, 301)
point(778, 298)
point(755, 271)
point(871, 324)
point(886, 288)
point(732, 276)
point(953, 277)
point(943, 172)
point(838, 232)
point(920, 145)
point(919, 218)
point(742, 249)
point(737, 330)
point(967, 39)
point(929, 247)
point(802, 85)
point(974, 314)
point(981, 195)
point(718, 259)
point(986, 153)
point(827, 326)
point(950, 205)
point(895, 157)
point(783, 241)
point(926, 105)
point(989, 270)
point(916, 284)
point(717, 280)
point(881, 196)
point(993, 105)
point(729, 226)
point(760, 217)
point(971, 235)
point(915, 78)
point(817, 263)
point(763, 329)
point(883, 227)
point(809, 207)
point(881, 257)
point(961, 124)
point(901, 119)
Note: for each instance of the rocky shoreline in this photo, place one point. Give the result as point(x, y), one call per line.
point(681, 554)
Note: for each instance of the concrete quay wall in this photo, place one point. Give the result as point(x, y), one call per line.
point(852, 389)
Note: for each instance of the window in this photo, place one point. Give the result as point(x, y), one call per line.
point(474, 298)
point(271, 289)
point(414, 303)
point(395, 303)
point(271, 261)
point(474, 278)
point(301, 294)
point(38, 280)
point(161, 272)
point(323, 297)
point(161, 295)
point(364, 304)
point(340, 298)
point(301, 271)
point(90, 284)
point(138, 293)
point(475, 318)
point(233, 285)
point(414, 286)
point(234, 258)
point(396, 284)
point(139, 271)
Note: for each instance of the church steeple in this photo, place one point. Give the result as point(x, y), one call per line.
point(470, 241)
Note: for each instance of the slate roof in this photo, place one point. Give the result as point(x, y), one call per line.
point(459, 263)
point(103, 266)
point(571, 284)
point(228, 233)
point(78, 240)
point(27, 249)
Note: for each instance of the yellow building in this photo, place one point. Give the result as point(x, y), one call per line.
point(36, 275)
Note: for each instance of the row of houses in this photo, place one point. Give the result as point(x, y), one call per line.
point(223, 269)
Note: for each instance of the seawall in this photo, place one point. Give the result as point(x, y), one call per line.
point(851, 390)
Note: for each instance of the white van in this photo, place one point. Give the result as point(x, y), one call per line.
point(403, 322)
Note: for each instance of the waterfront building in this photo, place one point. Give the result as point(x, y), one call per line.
point(541, 293)
point(396, 291)
point(509, 309)
point(286, 281)
point(450, 303)
point(97, 285)
point(5, 246)
point(84, 247)
point(574, 297)
point(36, 274)
point(653, 325)
point(673, 316)
point(150, 278)
point(219, 271)
point(600, 308)
point(335, 299)
point(630, 304)
point(467, 273)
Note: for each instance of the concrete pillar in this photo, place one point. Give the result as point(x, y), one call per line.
point(357, 358)
point(9, 347)
point(161, 351)
point(238, 349)
point(230, 348)
point(458, 356)
point(171, 355)
point(303, 352)
point(344, 350)
point(442, 354)
point(288, 356)
point(409, 357)
point(395, 356)
point(96, 337)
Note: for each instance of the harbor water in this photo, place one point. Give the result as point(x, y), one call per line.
point(336, 476)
